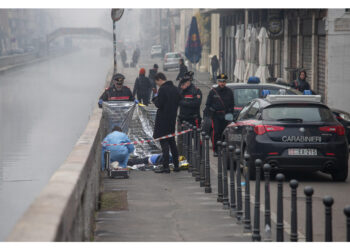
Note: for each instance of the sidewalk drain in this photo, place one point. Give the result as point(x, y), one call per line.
point(114, 201)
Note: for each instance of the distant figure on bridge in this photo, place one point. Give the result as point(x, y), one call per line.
point(117, 92)
point(118, 153)
point(143, 87)
point(124, 57)
point(135, 57)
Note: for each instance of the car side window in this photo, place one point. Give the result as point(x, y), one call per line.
point(253, 110)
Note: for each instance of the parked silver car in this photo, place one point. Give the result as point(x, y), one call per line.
point(171, 60)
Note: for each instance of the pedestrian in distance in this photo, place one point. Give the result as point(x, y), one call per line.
point(123, 57)
point(116, 92)
point(119, 153)
point(219, 103)
point(151, 75)
point(182, 70)
point(301, 84)
point(214, 66)
point(142, 87)
point(167, 101)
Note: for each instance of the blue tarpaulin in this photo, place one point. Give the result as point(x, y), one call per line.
point(193, 49)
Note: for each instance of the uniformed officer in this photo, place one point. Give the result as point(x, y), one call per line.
point(219, 103)
point(116, 92)
point(190, 101)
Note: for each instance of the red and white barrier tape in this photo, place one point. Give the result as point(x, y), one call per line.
point(145, 141)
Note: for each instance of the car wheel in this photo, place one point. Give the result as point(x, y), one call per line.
point(341, 174)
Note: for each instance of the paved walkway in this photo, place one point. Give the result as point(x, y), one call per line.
point(166, 207)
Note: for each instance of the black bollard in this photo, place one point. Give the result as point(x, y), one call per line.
point(308, 191)
point(328, 202)
point(239, 213)
point(293, 217)
point(247, 222)
point(207, 166)
point(183, 126)
point(194, 152)
point(256, 230)
point(190, 135)
point(187, 146)
point(279, 234)
point(267, 169)
point(198, 155)
point(225, 203)
point(220, 195)
point(232, 183)
point(202, 161)
point(347, 214)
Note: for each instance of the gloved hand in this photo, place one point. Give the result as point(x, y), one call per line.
point(100, 103)
point(136, 101)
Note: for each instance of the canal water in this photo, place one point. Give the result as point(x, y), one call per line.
point(44, 108)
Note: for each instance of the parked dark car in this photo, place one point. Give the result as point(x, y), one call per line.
point(291, 132)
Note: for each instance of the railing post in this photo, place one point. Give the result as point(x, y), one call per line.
point(194, 151)
point(198, 155)
point(220, 195)
point(267, 169)
point(190, 135)
point(202, 161)
point(232, 183)
point(347, 214)
point(280, 235)
point(308, 191)
point(328, 202)
point(225, 202)
point(184, 153)
point(207, 166)
point(239, 213)
point(108, 162)
point(247, 221)
point(256, 230)
point(293, 218)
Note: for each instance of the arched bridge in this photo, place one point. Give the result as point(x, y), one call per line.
point(79, 31)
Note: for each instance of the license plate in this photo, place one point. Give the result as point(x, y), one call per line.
point(302, 151)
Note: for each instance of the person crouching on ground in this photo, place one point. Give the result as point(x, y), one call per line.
point(118, 153)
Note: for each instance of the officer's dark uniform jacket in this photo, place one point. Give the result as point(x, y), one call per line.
point(218, 107)
point(112, 94)
point(190, 102)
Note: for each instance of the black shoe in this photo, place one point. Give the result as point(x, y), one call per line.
point(162, 170)
point(216, 154)
point(177, 169)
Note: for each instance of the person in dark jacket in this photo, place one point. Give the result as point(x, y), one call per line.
point(190, 101)
point(214, 66)
point(183, 70)
point(219, 103)
point(142, 87)
point(301, 84)
point(151, 75)
point(167, 101)
point(123, 57)
point(116, 92)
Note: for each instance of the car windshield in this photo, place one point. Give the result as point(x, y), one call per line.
point(173, 55)
point(244, 96)
point(298, 113)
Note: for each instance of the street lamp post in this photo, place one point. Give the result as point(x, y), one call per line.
point(116, 14)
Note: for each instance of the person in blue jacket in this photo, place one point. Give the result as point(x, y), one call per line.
point(117, 153)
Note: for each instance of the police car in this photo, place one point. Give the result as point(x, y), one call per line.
point(291, 132)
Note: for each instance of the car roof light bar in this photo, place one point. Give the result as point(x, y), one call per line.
point(293, 98)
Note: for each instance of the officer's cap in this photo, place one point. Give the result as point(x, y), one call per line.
point(222, 77)
point(118, 77)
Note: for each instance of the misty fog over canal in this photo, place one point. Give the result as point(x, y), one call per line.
point(44, 108)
